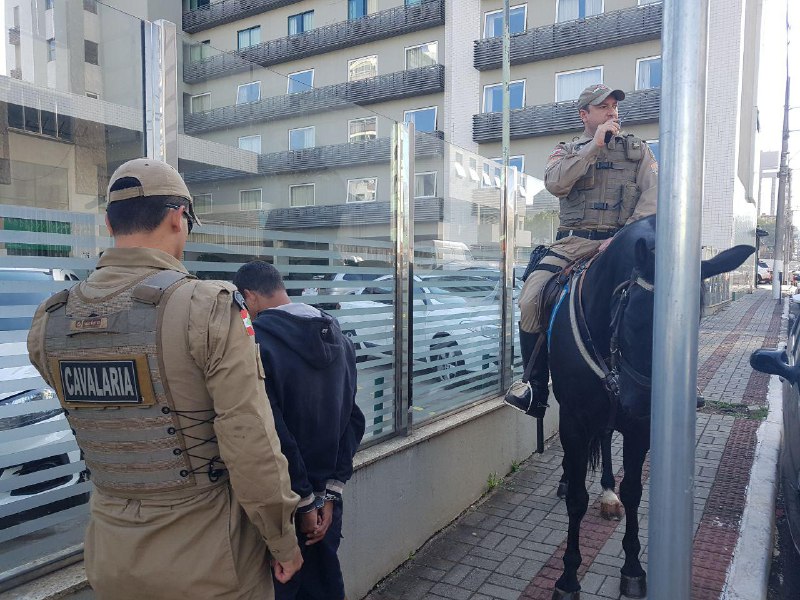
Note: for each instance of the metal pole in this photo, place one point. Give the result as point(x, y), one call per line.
point(160, 91)
point(402, 170)
point(507, 221)
point(677, 298)
point(780, 212)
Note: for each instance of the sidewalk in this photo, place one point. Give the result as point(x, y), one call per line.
point(510, 545)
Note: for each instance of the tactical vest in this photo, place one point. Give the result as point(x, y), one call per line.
point(103, 356)
point(606, 196)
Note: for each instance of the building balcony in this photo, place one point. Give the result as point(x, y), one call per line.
point(608, 30)
point(353, 214)
point(377, 26)
point(13, 36)
point(227, 11)
point(323, 158)
point(393, 86)
point(641, 106)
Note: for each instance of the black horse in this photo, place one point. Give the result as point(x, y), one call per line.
point(600, 361)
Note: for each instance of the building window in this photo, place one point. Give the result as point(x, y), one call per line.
point(301, 195)
point(513, 161)
point(250, 199)
point(362, 190)
point(301, 138)
point(361, 130)
point(201, 203)
point(301, 22)
point(248, 92)
point(51, 50)
point(92, 95)
point(251, 143)
point(90, 52)
point(41, 122)
point(90, 6)
point(200, 103)
point(362, 68)
point(413, 2)
point(248, 37)
point(359, 8)
point(458, 164)
point(473, 168)
point(48, 4)
point(493, 21)
point(493, 96)
point(570, 84)
point(200, 51)
point(195, 4)
point(648, 2)
point(423, 55)
point(654, 148)
point(648, 73)
point(302, 81)
point(569, 10)
point(424, 119)
point(425, 185)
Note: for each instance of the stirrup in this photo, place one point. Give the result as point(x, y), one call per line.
point(520, 396)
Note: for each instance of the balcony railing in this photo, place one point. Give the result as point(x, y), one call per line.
point(609, 30)
point(377, 26)
point(227, 11)
point(323, 157)
point(13, 36)
point(641, 106)
point(353, 214)
point(393, 86)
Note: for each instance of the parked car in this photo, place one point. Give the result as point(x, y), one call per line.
point(786, 363)
point(764, 274)
point(34, 434)
point(450, 336)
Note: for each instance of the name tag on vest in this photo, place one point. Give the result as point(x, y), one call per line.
point(121, 381)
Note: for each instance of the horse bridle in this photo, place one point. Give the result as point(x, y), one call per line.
point(609, 376)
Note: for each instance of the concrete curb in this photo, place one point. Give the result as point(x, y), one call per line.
point(748, 574)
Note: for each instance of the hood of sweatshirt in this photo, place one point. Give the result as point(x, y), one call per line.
point(313, 335)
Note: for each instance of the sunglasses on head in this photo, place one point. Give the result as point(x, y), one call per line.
point(189, 219)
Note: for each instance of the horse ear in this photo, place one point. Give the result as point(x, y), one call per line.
point(725, 261)
point(641, 255)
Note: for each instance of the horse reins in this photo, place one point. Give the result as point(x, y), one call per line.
point(582, 336)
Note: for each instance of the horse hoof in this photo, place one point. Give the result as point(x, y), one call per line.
point(633, 587)
point(562, 489)
point(611, 512)
point(562, 595)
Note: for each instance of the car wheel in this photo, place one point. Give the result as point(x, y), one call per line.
point(759, 280)
point(448, 357)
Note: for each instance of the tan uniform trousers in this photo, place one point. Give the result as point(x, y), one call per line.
point(572, 248)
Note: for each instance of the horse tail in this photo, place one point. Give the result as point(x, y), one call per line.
point(594, 453)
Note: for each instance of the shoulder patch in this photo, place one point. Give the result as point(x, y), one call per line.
point(555, 154)
point(238, 300)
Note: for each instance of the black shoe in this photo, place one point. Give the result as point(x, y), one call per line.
point(521, 396)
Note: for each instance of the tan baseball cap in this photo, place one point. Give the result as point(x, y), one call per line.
point(149, 177)
point(595, 94)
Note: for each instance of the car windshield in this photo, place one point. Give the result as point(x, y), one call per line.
point(20, 298)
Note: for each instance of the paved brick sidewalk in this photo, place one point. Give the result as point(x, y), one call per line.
point(509, 546)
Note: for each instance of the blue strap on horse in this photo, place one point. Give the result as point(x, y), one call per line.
point(554, 312)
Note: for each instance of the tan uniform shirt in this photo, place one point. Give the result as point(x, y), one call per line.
point(211, 541)
point(570, 161)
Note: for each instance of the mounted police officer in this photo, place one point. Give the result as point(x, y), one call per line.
point(604, 179)
point(162, 383)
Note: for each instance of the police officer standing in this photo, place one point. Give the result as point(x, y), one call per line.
point(161, 381)
point(604, 180)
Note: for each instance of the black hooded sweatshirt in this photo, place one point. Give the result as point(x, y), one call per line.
point(310, 369)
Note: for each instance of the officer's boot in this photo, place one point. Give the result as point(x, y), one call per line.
point(532, 399)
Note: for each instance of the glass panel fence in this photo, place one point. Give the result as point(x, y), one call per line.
point(69, 117)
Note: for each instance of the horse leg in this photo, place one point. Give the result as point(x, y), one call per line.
point(576, 458)
point(563, 483)
point(610, 506)
point(633, 583)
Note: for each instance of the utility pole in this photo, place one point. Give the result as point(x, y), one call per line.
point(780, 212)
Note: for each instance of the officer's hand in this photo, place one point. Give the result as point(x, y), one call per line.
point(326, 518)
point(284, 571)
point(309, 521)
point(611, 125)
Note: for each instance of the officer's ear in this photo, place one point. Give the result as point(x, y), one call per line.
point(583, 113)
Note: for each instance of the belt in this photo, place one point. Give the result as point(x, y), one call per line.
point(589, 234)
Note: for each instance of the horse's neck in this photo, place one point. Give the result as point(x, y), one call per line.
point(598, 287)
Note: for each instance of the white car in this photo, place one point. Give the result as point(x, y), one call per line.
point(451, 337)
point(34, 434)
point(764, 274)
